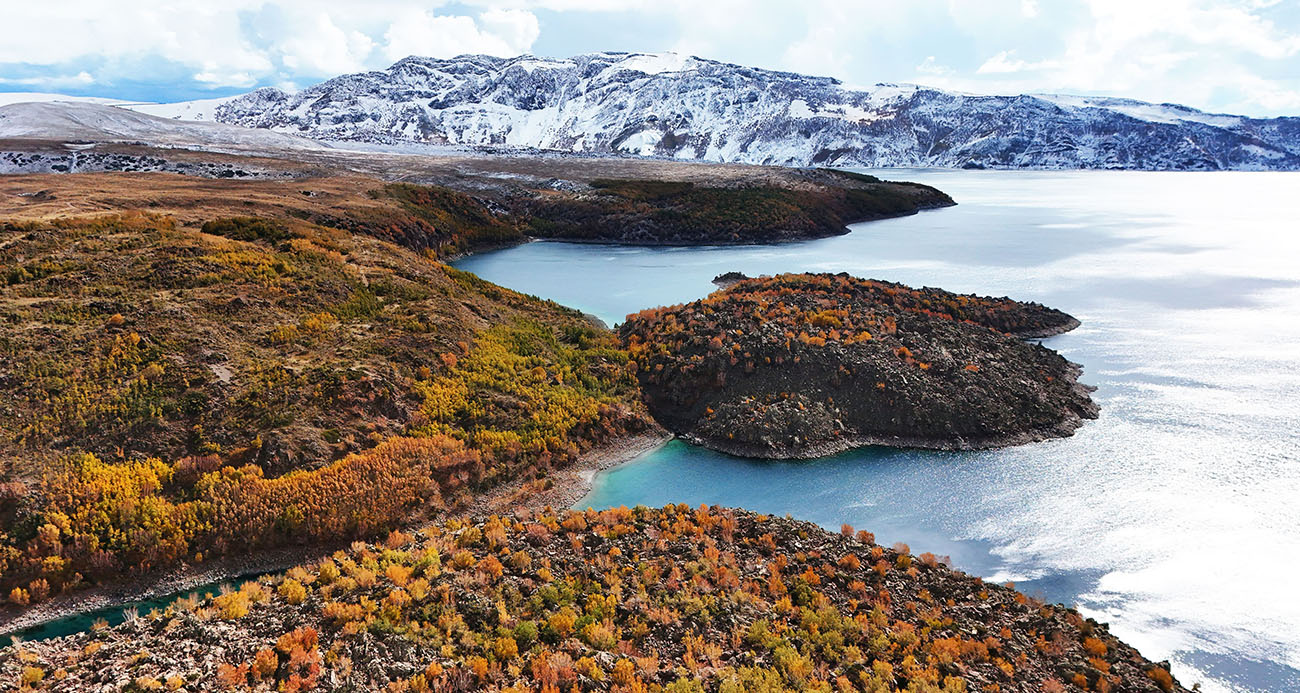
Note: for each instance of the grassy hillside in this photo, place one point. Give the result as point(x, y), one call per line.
point(173, 393)
point(260, 363)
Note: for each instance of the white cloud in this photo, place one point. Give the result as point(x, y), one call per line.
point(1007, 62)
point(327, 50)
point(818, 54)
point(930, 66)
point(517, 28)
point(1224, 55)
point(219, 78)
point(1203, 22)
point(444, 36)
point(81, 79)
point(244, 42)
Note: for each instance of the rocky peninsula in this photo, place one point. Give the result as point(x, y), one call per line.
point(673, 599)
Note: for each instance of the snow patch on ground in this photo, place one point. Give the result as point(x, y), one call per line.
point(1152, 113)
point(653, 63)
point(800, 109)
point(642, 143)
point(882, 94)
point(531, 64)
point(1256, 150)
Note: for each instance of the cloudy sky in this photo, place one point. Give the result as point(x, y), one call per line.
point(1240, 56)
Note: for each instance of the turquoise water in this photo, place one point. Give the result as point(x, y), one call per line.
point(118, 613)
point(1175, 517)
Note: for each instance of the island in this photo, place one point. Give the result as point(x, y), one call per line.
point(808, 365)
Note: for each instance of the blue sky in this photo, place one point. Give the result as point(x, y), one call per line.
point(1240, 56)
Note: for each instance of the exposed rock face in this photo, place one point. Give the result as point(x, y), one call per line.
point(799, 366)
point(18, 162)
point(690, 108)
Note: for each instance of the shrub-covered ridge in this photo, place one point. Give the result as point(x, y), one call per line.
point(172, 394)
point(804, 365)
point(673, 599)
point(650, 212)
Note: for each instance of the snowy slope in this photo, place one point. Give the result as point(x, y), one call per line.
point(9, 97)
point(201, 110)
point(100, 123)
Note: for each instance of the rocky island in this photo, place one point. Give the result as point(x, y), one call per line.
point(806, 365)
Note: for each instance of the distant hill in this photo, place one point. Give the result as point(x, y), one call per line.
point(91, 120)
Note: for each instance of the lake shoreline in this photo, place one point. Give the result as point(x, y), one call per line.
point(570, 484)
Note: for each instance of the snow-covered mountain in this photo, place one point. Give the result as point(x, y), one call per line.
point(11, 97)
point(690, 108)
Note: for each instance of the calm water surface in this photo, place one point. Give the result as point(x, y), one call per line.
point(1175, 517)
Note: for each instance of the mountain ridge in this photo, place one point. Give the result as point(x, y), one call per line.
point(685, 107)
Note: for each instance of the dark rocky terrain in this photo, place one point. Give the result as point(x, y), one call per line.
point(98, 162)
point(798, 366)
point(670, 600)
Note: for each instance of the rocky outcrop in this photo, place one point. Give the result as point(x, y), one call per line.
point(798, 366)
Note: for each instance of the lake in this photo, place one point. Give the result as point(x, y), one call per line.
point(1175, 517)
